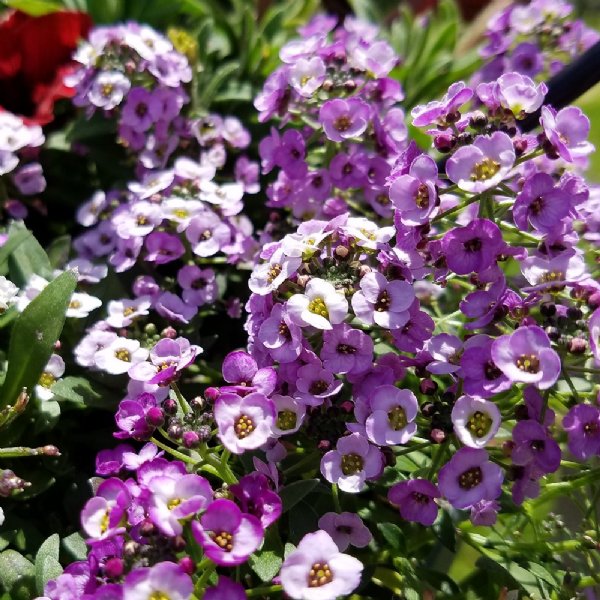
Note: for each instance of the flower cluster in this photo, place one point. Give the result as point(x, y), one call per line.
point(536, 40)
point(20, 173)
point(338, 104)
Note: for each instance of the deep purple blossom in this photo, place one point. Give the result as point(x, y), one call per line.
point(436, 111)
point(241, 370)
point(257, 498)
point(582, 424)
point(281, 337)
point(415, 500)
point(314, 384)
point(346, 350)
point(225, 589)
point(468, 477)
point(346, 529)
point(534, 446)
point(567, 130)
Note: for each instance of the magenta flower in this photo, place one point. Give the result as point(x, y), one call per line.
point(534, 446)
point(415, 500)
point(582, 424)
point(594, 330)
point(567, 130)
point(175, 499)
point(346, 529)
point(225, 589)
point(352, 462)
point(317, 570)
point(344, 119)
point(110, 461)
point(256, 497)
point(437, 110)
point(468, 477)
point(414, 195)
point(392, 415)
point(244, 423)
point(346, 350)
point(526, 356)
point(541, 203)
point(472, 248)
point(101, 516)
point(227, 536)
point(281, 337)
point(518, 93)
point(138, 418)
point(241, 370)
point(167, 359)
point(385, 303)
point(163, 580)
point(415, 332)
point(482, 165)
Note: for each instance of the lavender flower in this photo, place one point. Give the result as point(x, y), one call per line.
point(475, 420)
point(346, 529)
point(344, 119)
point(415, 500)
point(164, 579)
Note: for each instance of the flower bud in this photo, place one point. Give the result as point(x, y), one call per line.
point(190, 439)
point(155, 417)
point(113, 568)
point(170, 406)
point(437, 435)
point(211, 394)
point(187, 565)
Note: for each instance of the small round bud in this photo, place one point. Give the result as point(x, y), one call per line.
point(577, 345)
point(574, 313)
point(187, 565)
point(437, 435)
point(169, 332)
point(548, 309)
point(169, 406)
point(113, 568)
point(147, 528)
point(178, 543)
point(453, 117)
point(190, 439)
point(444, 142)
point(49, 450)
point(341, 252)
point(155, 417)
point(211, 394)
point(428, 387)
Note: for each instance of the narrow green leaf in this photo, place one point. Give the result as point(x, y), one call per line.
point(58, 251)
point(33, 336)
point(27, 258)
point(35, 8)
point(16, 237)
point(295, 492)
point(393, 535)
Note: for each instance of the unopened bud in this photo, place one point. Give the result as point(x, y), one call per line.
point(211, 394)
point(155, 417)
point(49, 450)
point(437, 435)
point(169, 332)
point(113, 568)
point(190, 439)
point(187, 565)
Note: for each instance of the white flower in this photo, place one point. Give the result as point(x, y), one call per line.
point(82, 305)
point(368, 234)
point(122, 313)
point(1, 516)
point(89, 345)
point(320, 306)
point(228, 196)
point(120, 355)
point(8, 293)
point(476, 421)
point(289, 415)
point(87, 271)
point(152, 183)
point(268, 276)
point(53, 370)
point(89, 212)
point(33, 288)
point(180, 211)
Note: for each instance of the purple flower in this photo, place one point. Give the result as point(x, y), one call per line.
point(317, 570)
point(135, 418)
point(594, 330)
point(257, 498)
point(445, 351)
point(290, 154)
point(199, 285)
point(415, 332)
point(167, 359)
point(175, 499)
point(240, 369)
point(207, 234)
point(321, 305)
point(485, 306)
point(290, 414)
point(163, 247)
point(554, 272)
point(348, 170)
point(346, 350)
point(383, 302)
point(352, 462)
point(534, 446)
point(244, 423)
point(344, 119)
point(567, 130)
point(526, 356)
point(519, 94)
point(101, 516)
point(542, 204)
point(227, 536)
point(472, 248)
point(29, 179)
point(485, 512)
point(163, 580)
point(346, 529)
point(582, 424)
point(225, 589)
point(281, 337)
point(437, 110)
point(110, 462)
point(141, 109)
point(172, 307)
point(392, 415)
point(468, 477)
point(414, 194)
point(415, 499)
point(527, 59)
point(314, 384)
point(482, 165)
point(108, 89)
point(307, 75)
point(476, 421)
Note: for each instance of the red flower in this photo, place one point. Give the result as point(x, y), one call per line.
point(35, 55)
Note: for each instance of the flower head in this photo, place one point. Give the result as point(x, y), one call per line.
point(415, 500)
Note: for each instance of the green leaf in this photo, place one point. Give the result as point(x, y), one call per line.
point(33, 336)
point(17, 575)
point(445, 531)
point(75, 545)
point(35, 8)
point(393, 536)
point(46, 562)
point(27, 258)
point(265, 564)
point(294, 492)
point(58, 251)
point(85, 393)
point(217, 80)
point(17, 236)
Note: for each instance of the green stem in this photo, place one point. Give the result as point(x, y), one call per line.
point(336, 498)
point(208, 567)
point(413, 448)
point(436, 461)
point(264, 591)
point(20, 452)
point(571, 386)
point(185, 407)
point(456, 209)
point(175, 453)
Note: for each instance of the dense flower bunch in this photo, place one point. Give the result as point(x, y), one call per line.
point(134, 72)
point(334, 96)
point(535, 39)
point(20, 173)
point(420, 359)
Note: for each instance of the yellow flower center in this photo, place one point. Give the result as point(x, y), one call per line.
point(173, 503)
point(485, 169)
point(319, 574)
point(397, 418)
point(223, 539)
point(47, 379)
point(352, 464)
point(342, 123)
point(529, 363)
point(479, 424)
point(244, 426)
point(317, 307)
point(123, 354)
point(286, 419)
